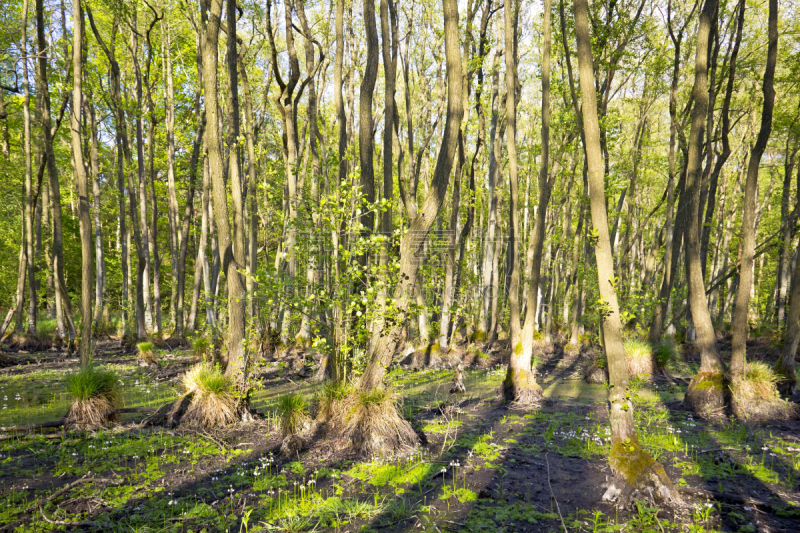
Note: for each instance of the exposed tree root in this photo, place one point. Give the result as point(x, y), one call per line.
point(596, 375)
point(520, 389)
point(636, 473)
point(458, 382)
point(170, 414)
point(706, 394)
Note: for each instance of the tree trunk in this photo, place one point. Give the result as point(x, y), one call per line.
point(178, 264)
point(43, 91)
point(628, 460)
point(365, 133)
point(81, 183)
point(705, 392)
point(493, 194)
point(748, 238)
point(520, 383)
point(420, 226)
point(783, 273)
point(30, 207)
point(143, 239)
point(232, 254)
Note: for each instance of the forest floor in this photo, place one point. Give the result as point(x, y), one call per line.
point(483, 468)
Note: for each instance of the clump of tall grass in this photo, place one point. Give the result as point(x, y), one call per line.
point(293, 411)
point(96, 393)
point(755, 397)
point(200, 346)
point(665, 352)
point(330, 403)
point(146, 353)
point(214, 400)
point(375, 423)
point(639, 356)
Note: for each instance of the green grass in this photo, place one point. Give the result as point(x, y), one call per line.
point(94, 382)
point(293, 411)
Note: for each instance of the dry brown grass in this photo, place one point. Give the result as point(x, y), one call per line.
point(755, 398)
point(375, 424)
point(90, 413)
point(213, 403)
point(639, 356)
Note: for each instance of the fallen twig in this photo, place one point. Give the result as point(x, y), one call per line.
point(62, 490)
point(66, 522)
point(553, 495)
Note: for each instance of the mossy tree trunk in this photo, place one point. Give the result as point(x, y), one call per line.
point(632, 465)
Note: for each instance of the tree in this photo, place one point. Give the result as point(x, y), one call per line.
point(627, 457)
point(705, 392)
point(81, 183)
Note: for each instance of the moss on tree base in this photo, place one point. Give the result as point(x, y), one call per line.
point(637, 472)
point(706, 393)
point(520, 388)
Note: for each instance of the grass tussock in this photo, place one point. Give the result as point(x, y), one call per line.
point(95, 392)
point(293, 411)
point(330, 403)
point(146, 353)
point(375, 424)
point(664, 353)
point(200, 347)
point(213, 397)
point(639, 356)
point(755, 397)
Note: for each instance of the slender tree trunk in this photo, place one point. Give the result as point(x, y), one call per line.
point(706, 389)
point(99, 255)
point(421, 225)
point(43, 92)
point(81, 183)
point(178, 264)
point(30, 207)
point(786, 363)
point(143, 240)
point(748, 239)
point(785, 250)
point(628, 460)
point(493, 194)
point(365, 133)
point(520, 383)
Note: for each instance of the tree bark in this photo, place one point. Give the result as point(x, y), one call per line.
point(705, 392)
point(520, 384)
point(231, 253)
point(81, 184)
point(64, 314)
point(30, 208)
point(365, 125)
point(413, 241)
point(627, 457)
point(748, 239)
